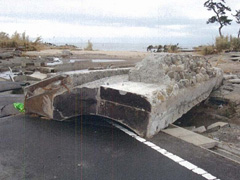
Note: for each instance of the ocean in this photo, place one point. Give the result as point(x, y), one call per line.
point(140, 47)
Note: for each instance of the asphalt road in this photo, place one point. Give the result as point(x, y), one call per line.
point(10, 99)
point(33, 148)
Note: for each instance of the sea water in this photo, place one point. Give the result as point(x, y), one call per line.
point(139, 47)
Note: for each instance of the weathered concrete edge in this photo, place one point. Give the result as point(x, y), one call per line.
point(208, 144)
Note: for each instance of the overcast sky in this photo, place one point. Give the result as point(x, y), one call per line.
point(131, 21)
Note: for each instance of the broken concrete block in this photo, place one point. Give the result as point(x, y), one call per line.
point(66, 53)
point(200, 129)
point(39, 97)
point(81, 100)
point(234, 81)
point(68, 95)
point(235, 59)
point(191, 137)
point(157, 92)
point(217, 125)
point(36, 76)
point(163, 88)
point(6, 55)
point(8, 86)
point(230, 76)
point(46, 70)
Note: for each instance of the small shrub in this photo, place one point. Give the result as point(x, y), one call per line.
point(89, 46)
point(222, 43)
point(173, 49)
point(235, 43)
point(18, 40)
point(170, 48)
point(206, 50)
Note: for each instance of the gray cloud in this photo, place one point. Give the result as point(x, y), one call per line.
point(198, 32)
point(151, 22)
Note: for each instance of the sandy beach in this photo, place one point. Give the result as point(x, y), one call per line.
point(126, 55)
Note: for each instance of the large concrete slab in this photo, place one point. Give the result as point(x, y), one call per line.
point(163, 88)
point(154, 94)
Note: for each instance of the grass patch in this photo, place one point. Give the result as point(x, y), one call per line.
point(222, 44)
point(206, 50)
point(234, 43)
point(21, 41)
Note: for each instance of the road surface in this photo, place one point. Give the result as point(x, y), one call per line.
point(90, 148)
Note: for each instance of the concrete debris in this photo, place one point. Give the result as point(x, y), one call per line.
point(200, 129)
point(190, 128)
point(39, 97)
point(46, 70)
point(66, 53)
point(235, 59)
point(160, 90)
point(231, 76)
point(68, 95)
point(219, 117)
point(36, 76)
point(229, 147)
point(6, 55)
point(8, 86)
point(234, 81)
point(154, 94)
point(217, 125)
point(229, 92)
point(191, 137)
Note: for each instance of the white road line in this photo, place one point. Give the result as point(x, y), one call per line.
point(209, 176)
point(167, 154)
point(199, 171)
point(188, 165)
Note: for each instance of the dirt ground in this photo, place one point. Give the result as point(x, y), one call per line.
point(126, 55)
point(225, 62)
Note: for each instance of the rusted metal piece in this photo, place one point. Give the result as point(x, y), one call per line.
point(39, 97)
point(69, 95)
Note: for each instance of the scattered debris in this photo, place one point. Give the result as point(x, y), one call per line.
point(234, 81)
point(218, 125)
point(66, 53)
point(190, 137)
point(6, 55)
point(19, 107)
point(230, 76)
point(8, 86)
point(200, 129)
point(229, 147)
